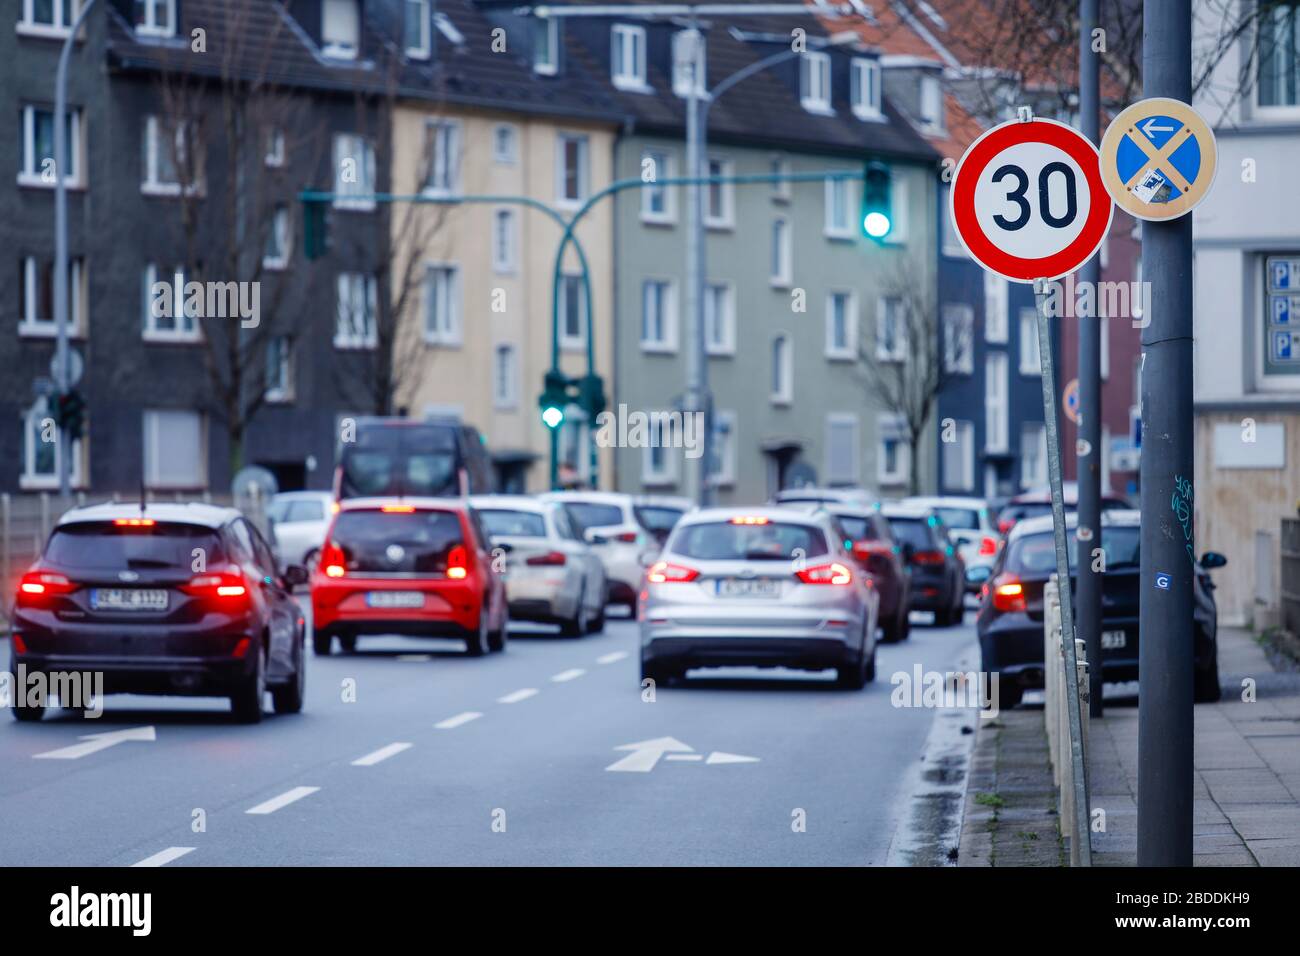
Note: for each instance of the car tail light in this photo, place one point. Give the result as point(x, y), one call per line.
point(331, 560)
point(1005, 525)
point(37, 585)
point(458, 563)
point(988, 546)
point(834, 573)
point(551, 558)
point(397, 509)
point(661, 572)
point(928, 557)
point(1008, 593)
point(749, 519)
point(627, 536)
point(222, 585)
point(133, 522)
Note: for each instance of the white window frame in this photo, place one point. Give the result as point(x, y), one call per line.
point(451, 333)
point(815, 82)
point(996, 315)
point(838, 420)
point(725, 446)
point(30, 173)
point(782, 374)
point(780, 166)
point(726, 194)
point(681, 79)
point(151, 27)
point(831, 228)
point(29, 26)
point(1030, 358)
point(663, 170)
point(510, 155)
point(282, 229)
point(29, 479)
point(583, 171)
point(550, 64)
point(152, 185)
point(864, 88)
point(1039, 478)
point(345, 286)
point(668, 303)
point(849, 350)
point(883, 312)
point(892, 427)
point(666, 473)
point(280, 394)
point(275, 149)
point(958, 322)
point(961, 447)
point(568, 342)
point(625, 39)
point(36, 326)
point(505, 240)
point(425, 48)
point(505, 382)
point(1288, 112)
point(337, 49)
point(931, 88)
point(194, 333)
point(155, 454)
point(726, 319)
point(443, 152)
point(351, 196)
point(997, 413)
point(783, 250)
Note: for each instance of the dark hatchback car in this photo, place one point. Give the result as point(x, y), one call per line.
point(938, 574)
point(1010, 622)
point(181, 599)
point(868, 536)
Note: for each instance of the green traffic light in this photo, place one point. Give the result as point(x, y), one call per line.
point(552, 416)
point(877, 200)
point(876, 225)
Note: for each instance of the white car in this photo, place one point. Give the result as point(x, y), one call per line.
point(299, 522)
point(552, 575)
point(608, 521)
point(970, 526)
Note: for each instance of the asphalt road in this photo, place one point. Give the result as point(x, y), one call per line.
point(503, 760)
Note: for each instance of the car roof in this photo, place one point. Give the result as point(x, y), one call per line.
point(598, 497)
point(423, 503)
point(665, 501)
point(512, 502)
point(948, 501)
point(300, 495)
point(191, 512)
point(1115, 517)
point(903, 510)
point(771, 512)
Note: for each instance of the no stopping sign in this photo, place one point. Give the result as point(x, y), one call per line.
point(1028, 201)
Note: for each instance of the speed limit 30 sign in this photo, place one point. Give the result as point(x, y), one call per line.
point(1028, 201)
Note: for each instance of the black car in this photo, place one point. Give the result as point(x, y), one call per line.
point(1010, 622)
point(170, 599)
point(937, 571)
point(868, 535)
point(430, 458)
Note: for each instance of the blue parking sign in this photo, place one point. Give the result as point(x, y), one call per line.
point(1281, 274)
point(1281, 310)
point(1281, 345)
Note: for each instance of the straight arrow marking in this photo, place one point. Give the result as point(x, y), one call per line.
point(645, 754)
point(719, 757)
point(97, 742)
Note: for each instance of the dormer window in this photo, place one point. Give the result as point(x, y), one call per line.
point(47, 18)
point(689, 63)
point(864, 88)
point(340, 29)
point(815, 82)
point(546, 47)
point(416, 30)
point(627, 57)
point(931, 104)
point(155, 17)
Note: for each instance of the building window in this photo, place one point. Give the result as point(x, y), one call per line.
point(279, 369)
point(36, 282)
point(996, 429)
point(838, 218)
point(958, 338)
point(156, 17)
point(573, 313)
point(891, 329)
point(864, 88)
point(658, 316)
point(419, 40)
point(1031, 361)
point(275, 148)
point(931, 104)
point(720, 318)
point(442, 305)
point(720, 200)
point(782, 370)
point(505, 144)
point(1279, 54)
point(38, 167)
point(354, 326)
point(842, 451)
point(505, 241)
point(505, 377)
point(781, 266)
point(571, 189)
point(815, 82)
point(893, 455)
point(658, 202)
point(899, 211)
point(959, 458)
point(279, 235)
point(175, 450)
point(442, 149)
point(340, 29)
point(690, 65)
point(167, 163)
point(995, 309)
point(1033, 455)
point(169, 315)
point(779, 166)
point(841, 325)
point(48, 17)
point(659, 458)
point(42, 449)
point(354, 172)
point(724, 449)
point(627, 57)
point(546, 47)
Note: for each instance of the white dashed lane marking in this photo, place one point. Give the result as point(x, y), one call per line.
point(383, 753)
point(453, 722)
point(515, 697)
point(571, 674)
point(611, 658)
point(283, 800)
point(166, 856)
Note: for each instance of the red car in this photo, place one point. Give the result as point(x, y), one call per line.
point(419, 567)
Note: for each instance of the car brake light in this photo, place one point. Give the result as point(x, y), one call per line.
point(627, 536)
point(133, 522)
point(834, 573)
point(548, 559)
point(1008, 593)
point(749, 519)
point(220, 584)
point(988, 545)
point(928, 557)
point(457, 561)
point(1005, 525)
point(397, 509)
point(41, 583)
point(332, 561)
point(661, 572)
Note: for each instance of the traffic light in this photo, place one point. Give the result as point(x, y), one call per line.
point(591, 395)
point(315, 227)
point(877, 201)
point(554, 397)
point(70, 413)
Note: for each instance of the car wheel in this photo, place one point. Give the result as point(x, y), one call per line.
point(870, 670)
point(1009, 695)
point(246, 701)
point(321, 642)
point(24, 711)
point(477, 644)
point(904, 623)
point(852, 676)
point(349, 644)
point(1206, 689)
point(288, 698)
point(655, 671)
point(597, 622)
point(310, 558)
point(577, 625)
point(497, 639)
point(943, 617)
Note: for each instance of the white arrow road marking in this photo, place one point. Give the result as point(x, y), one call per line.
point(283, 800)
point(516, 696)
point(166, 856)
point(611, 658)
point(684, 757)
point(719, 757)
point(571, 674)
point(451, 723)
point(1150, 129)
point(383, 753)
point(97, 742)
point(646, 754)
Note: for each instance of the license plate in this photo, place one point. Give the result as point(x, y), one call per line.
point(748, 587)
point(1113, 640)
point(128, 599)
point(395, 599)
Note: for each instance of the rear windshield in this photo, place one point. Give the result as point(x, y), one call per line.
point(401, 460)
point(724, 541)
point(1035, 554)
point(591, 515)
point(858, 528)
point(384, 542)
point(962, 519)
point(657, 518)
point(101, 544)
point(518, 524)
point(913, 531)
point(304, 509)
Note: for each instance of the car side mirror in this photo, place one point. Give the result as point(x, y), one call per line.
point(296, 574)
point(505, 546)
point(1213, 559)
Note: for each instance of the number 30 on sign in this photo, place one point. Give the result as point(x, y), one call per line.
point(1028, 201)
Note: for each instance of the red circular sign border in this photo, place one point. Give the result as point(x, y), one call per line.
point(981, 153)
